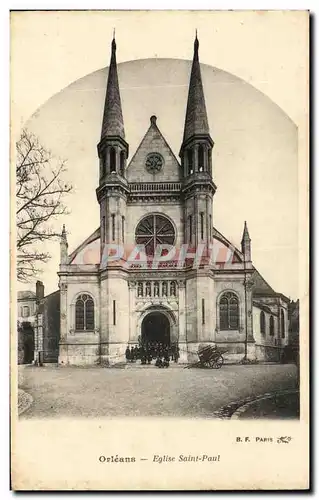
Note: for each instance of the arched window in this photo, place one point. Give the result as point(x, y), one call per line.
point(271, 326)
point(201, 158)
point(84, 313)
point(122, 162)
point(229, 312)
point(262, 322)
point(190, 163)
point(282, 323)
point(112, 160)
point(26, 311)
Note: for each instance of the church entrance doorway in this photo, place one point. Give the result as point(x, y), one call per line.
point(156, 328)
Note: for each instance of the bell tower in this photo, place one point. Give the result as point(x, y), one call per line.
point(113, 152)
point(196, 159)
point(198, 190)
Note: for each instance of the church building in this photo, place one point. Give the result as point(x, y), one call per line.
point(110, 300)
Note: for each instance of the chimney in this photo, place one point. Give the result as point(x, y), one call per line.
point(39, 290)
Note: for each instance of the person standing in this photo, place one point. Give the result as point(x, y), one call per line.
point(135, 357)
point(166, 357)
point(128, 354)
point(176, 354)
point(142, 355)
point(132, 354)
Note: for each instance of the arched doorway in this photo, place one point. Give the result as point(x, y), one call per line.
point(27, 337)
point(156, 328)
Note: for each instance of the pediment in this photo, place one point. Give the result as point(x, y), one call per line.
point(154, 161)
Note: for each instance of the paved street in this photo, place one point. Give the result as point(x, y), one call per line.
point(137, 391)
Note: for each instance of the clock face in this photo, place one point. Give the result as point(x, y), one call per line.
point(154, 163)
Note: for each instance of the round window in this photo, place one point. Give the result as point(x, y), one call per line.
point(154, 230)
point(154, 163)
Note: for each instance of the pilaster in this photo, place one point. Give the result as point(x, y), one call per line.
point(249, 287)
point(63, 311)
point(181, 311)
point(132, 294)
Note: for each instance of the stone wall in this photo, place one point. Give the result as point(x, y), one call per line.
point(51, 327)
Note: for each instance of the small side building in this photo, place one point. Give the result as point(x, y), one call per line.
point(38, 326)
point(270, 320)
point(25, 325)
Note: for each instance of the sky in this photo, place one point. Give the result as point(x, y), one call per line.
point(250, 80)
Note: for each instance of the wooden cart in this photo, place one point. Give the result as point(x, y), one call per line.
point(210, 357)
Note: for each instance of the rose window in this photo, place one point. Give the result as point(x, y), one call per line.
point(154, 230)
point(154, 163)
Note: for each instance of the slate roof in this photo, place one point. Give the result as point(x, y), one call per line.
point(26, 294)
point(112, 124)
point(260, 286)
point(196, 121)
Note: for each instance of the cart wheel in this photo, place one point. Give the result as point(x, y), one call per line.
point(218, 362)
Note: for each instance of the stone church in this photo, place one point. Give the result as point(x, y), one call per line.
point(160, 201)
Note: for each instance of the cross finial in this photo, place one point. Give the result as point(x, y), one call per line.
point(113, 42)
point(196, 44)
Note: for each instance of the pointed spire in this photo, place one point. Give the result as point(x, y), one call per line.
point(63, 247)
point(246, 236)
point(63, 234)
point(196, 122)
point(246, 244)
point(113, 124)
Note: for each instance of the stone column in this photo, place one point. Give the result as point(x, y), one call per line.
point(132, 293)
point(206, 168)
point(118, 159)
point(196, 158)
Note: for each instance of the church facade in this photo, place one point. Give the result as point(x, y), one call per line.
point(157, 269)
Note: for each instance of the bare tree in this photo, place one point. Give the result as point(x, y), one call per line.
point(40, 192)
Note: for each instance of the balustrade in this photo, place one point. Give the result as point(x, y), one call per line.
point(156, 289)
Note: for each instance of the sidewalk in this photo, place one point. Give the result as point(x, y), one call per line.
point(277, 406)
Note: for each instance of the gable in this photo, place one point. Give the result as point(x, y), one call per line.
point(153, 142)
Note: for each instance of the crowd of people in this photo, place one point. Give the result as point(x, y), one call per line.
point(149, 351)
